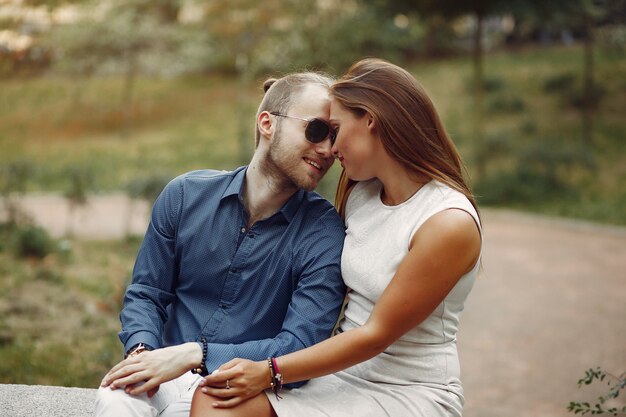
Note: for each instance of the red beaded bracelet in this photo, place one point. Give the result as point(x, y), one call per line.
point(277, 378)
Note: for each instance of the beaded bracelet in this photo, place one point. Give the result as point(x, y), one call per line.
point(201, 369)
point(277, 378)
point(269, 364)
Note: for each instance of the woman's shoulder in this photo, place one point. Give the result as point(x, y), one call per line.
point(441, 197)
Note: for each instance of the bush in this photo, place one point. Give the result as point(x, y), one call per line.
point(580, 99)
point(559, 83)
point(148, 188)
point(540, 173)
point(32, 241)
point(573, 93)
point(490, 84)
point(508, 104)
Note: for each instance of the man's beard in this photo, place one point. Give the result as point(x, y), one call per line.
point(284, 168)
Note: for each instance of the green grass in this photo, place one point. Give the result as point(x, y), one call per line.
point(59, 315)
point(524, 116)
point(175, 125)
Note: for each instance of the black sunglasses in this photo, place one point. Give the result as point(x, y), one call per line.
point(316, 130)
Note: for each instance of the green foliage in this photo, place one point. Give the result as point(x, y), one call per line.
point(148, 188)
point(6, 337)
point(490, 84)
point(190, 123)
point(615, 384)
point(14, 177)
point(57, 364)
point(581, 99)
point(80, 182)
point(559, 83)
point(131, 37)
point(538, 173)
point(59, 319)
point(528, 127)
point(348, 37)
point(569, 87)
point(505, 104)
point(282, 36)
point(32, 241)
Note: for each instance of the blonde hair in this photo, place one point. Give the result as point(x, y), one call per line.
point(279, 93)
point(408, 124)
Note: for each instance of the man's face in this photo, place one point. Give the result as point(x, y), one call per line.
point(291, 157)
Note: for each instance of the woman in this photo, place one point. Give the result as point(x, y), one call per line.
point(411, 256)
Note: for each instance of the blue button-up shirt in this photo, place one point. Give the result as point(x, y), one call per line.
point(253, 293)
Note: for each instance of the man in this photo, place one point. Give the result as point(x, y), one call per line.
point(234, 264)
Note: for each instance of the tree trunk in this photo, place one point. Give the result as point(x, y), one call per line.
point(244, 75)
point(479, 91)
point(127, 95)
point(588, 85)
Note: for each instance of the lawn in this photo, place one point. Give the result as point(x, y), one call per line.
point(54, 124)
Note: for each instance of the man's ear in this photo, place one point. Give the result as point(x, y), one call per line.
point(265, 124)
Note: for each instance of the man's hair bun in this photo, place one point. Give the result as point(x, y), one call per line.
point(268, 83)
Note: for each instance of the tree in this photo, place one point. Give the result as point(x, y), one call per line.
point(13, 179)
point(80, 182)
point(250, 40)
point(583, 17)
point(129, 37)
point(145, 188)
point(450, 10)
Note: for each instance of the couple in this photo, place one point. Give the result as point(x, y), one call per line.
point(249, 264)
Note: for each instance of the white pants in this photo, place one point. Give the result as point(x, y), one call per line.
point(172, 400)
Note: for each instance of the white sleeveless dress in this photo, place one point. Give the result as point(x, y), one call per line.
point(418, 375)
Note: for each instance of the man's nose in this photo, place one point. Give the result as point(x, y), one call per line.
point(324, 148)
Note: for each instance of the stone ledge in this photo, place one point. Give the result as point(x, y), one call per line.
point(45, 401)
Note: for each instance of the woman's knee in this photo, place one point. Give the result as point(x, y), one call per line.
point(202, 406)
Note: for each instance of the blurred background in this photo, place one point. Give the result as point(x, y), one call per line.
point(103, 102)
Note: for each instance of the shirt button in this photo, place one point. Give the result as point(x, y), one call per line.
point(243, 230)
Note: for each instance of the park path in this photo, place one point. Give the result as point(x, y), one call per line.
point(550, 303)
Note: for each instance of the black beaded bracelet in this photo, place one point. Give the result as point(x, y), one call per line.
point(202, 368)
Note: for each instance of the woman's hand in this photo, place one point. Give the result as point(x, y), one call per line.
point(237, 381)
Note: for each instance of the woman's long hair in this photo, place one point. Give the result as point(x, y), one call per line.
point(408, 124)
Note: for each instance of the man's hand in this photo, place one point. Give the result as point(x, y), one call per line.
point(154, 367)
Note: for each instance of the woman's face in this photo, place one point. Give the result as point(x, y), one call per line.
point(356, 147)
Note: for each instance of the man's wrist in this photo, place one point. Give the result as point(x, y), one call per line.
point(137, 349)
point(199, 357)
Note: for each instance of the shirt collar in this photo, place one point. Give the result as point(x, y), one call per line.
point(292, 205)
point(288, 210)
point(236, 185)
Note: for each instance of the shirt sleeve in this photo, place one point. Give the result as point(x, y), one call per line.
point(315, 304)
point(154, 275)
